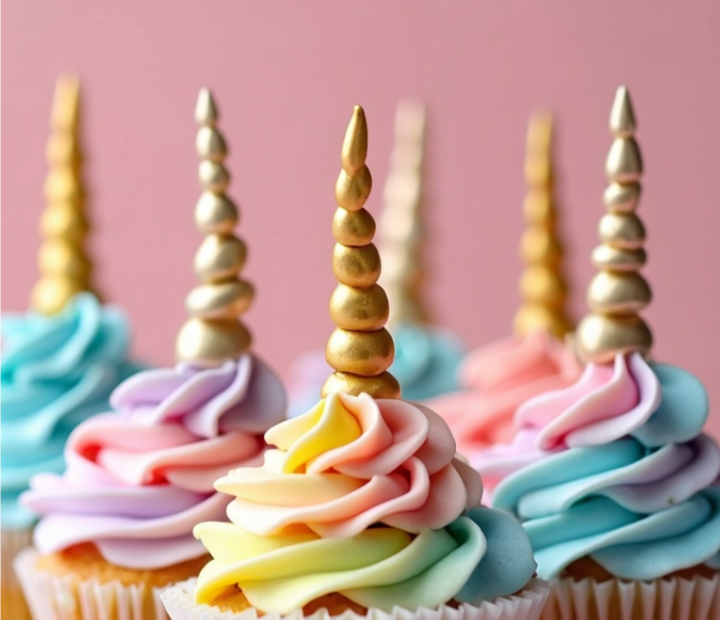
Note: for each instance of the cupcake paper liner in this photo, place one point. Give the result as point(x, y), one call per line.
point(526, 605)
point(12, 601)
point(55, 597)
point(662, 599)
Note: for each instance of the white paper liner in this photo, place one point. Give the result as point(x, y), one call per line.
point(12, 601)
point(53, 597)
point(527, 605)
point(662, 599)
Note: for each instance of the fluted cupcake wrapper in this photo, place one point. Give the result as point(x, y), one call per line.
point(661, 599)
point(12, 600)
point(526, 605)
point(54, 597)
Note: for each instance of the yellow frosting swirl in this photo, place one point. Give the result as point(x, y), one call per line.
point(363, 497)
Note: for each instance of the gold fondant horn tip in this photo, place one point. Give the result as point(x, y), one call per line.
point(214, 334)
point(543, 289)
point(618, 292)
point(360, 350)
point(64, 265)
point(401, 229)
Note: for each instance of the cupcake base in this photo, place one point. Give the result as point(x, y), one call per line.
point(79, 584)
point(696, 598)
point(525, 605)
point(12, 600)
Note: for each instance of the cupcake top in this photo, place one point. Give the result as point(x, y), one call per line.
point(61, 360)
point(363, 494)
point(497, 378)
point(426, 357)
point(139, 478)
point(622, 472)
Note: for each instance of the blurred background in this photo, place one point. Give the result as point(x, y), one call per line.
point(286, 75)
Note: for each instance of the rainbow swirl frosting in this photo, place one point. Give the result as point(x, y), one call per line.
point(496, 379)
point(56, 371)
point(366, 498)
point(621, 472)
point(140, 478)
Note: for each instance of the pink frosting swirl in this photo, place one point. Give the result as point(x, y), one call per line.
point(349, 463)
point(497, 379)
point(139, 479)
point(607, 403)
point(603, 405)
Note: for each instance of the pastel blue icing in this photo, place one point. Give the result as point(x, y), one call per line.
point(507, 564)
point(426, 361)
point(642, 506)
point(683, 411)
point(56, 371)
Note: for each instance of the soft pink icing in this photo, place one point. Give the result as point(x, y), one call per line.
point(605, 404)
point(401, 470)
point(497, 379)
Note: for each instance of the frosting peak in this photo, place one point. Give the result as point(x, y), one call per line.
point(358, 461)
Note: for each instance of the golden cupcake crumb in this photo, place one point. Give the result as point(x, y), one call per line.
point(84, 562)
point(232, 599)
point(587, 568)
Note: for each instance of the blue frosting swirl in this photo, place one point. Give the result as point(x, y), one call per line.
point(426, 361)
point(642, 506)
point(56, 371)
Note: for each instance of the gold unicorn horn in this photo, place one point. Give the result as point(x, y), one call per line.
point(213, 334)
point(360, 350)
point(64, 266)
point(543, 290)
point(618, 292)
point(401, 228)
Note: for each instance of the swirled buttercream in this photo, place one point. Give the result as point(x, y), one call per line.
point(363, 497)
point(56, 371)
point(631, 481)
point(140, 478)
point(495, 380)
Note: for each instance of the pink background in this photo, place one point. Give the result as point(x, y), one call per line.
point(286, 75)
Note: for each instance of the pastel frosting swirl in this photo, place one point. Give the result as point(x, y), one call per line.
point(140, 478)
point(363, 497)
point(630, 480)
point(56, 371)
point(496, 379)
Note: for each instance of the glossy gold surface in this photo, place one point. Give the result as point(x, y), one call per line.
point(360, 350)
point(214, 334)
point(64, 266)
point(543, 289)
point(361, 353)
point(353, 227)
point(359, 309)
point(380, 386)
point(618, 292)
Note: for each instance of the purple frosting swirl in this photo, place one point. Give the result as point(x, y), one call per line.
point(139, 478)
